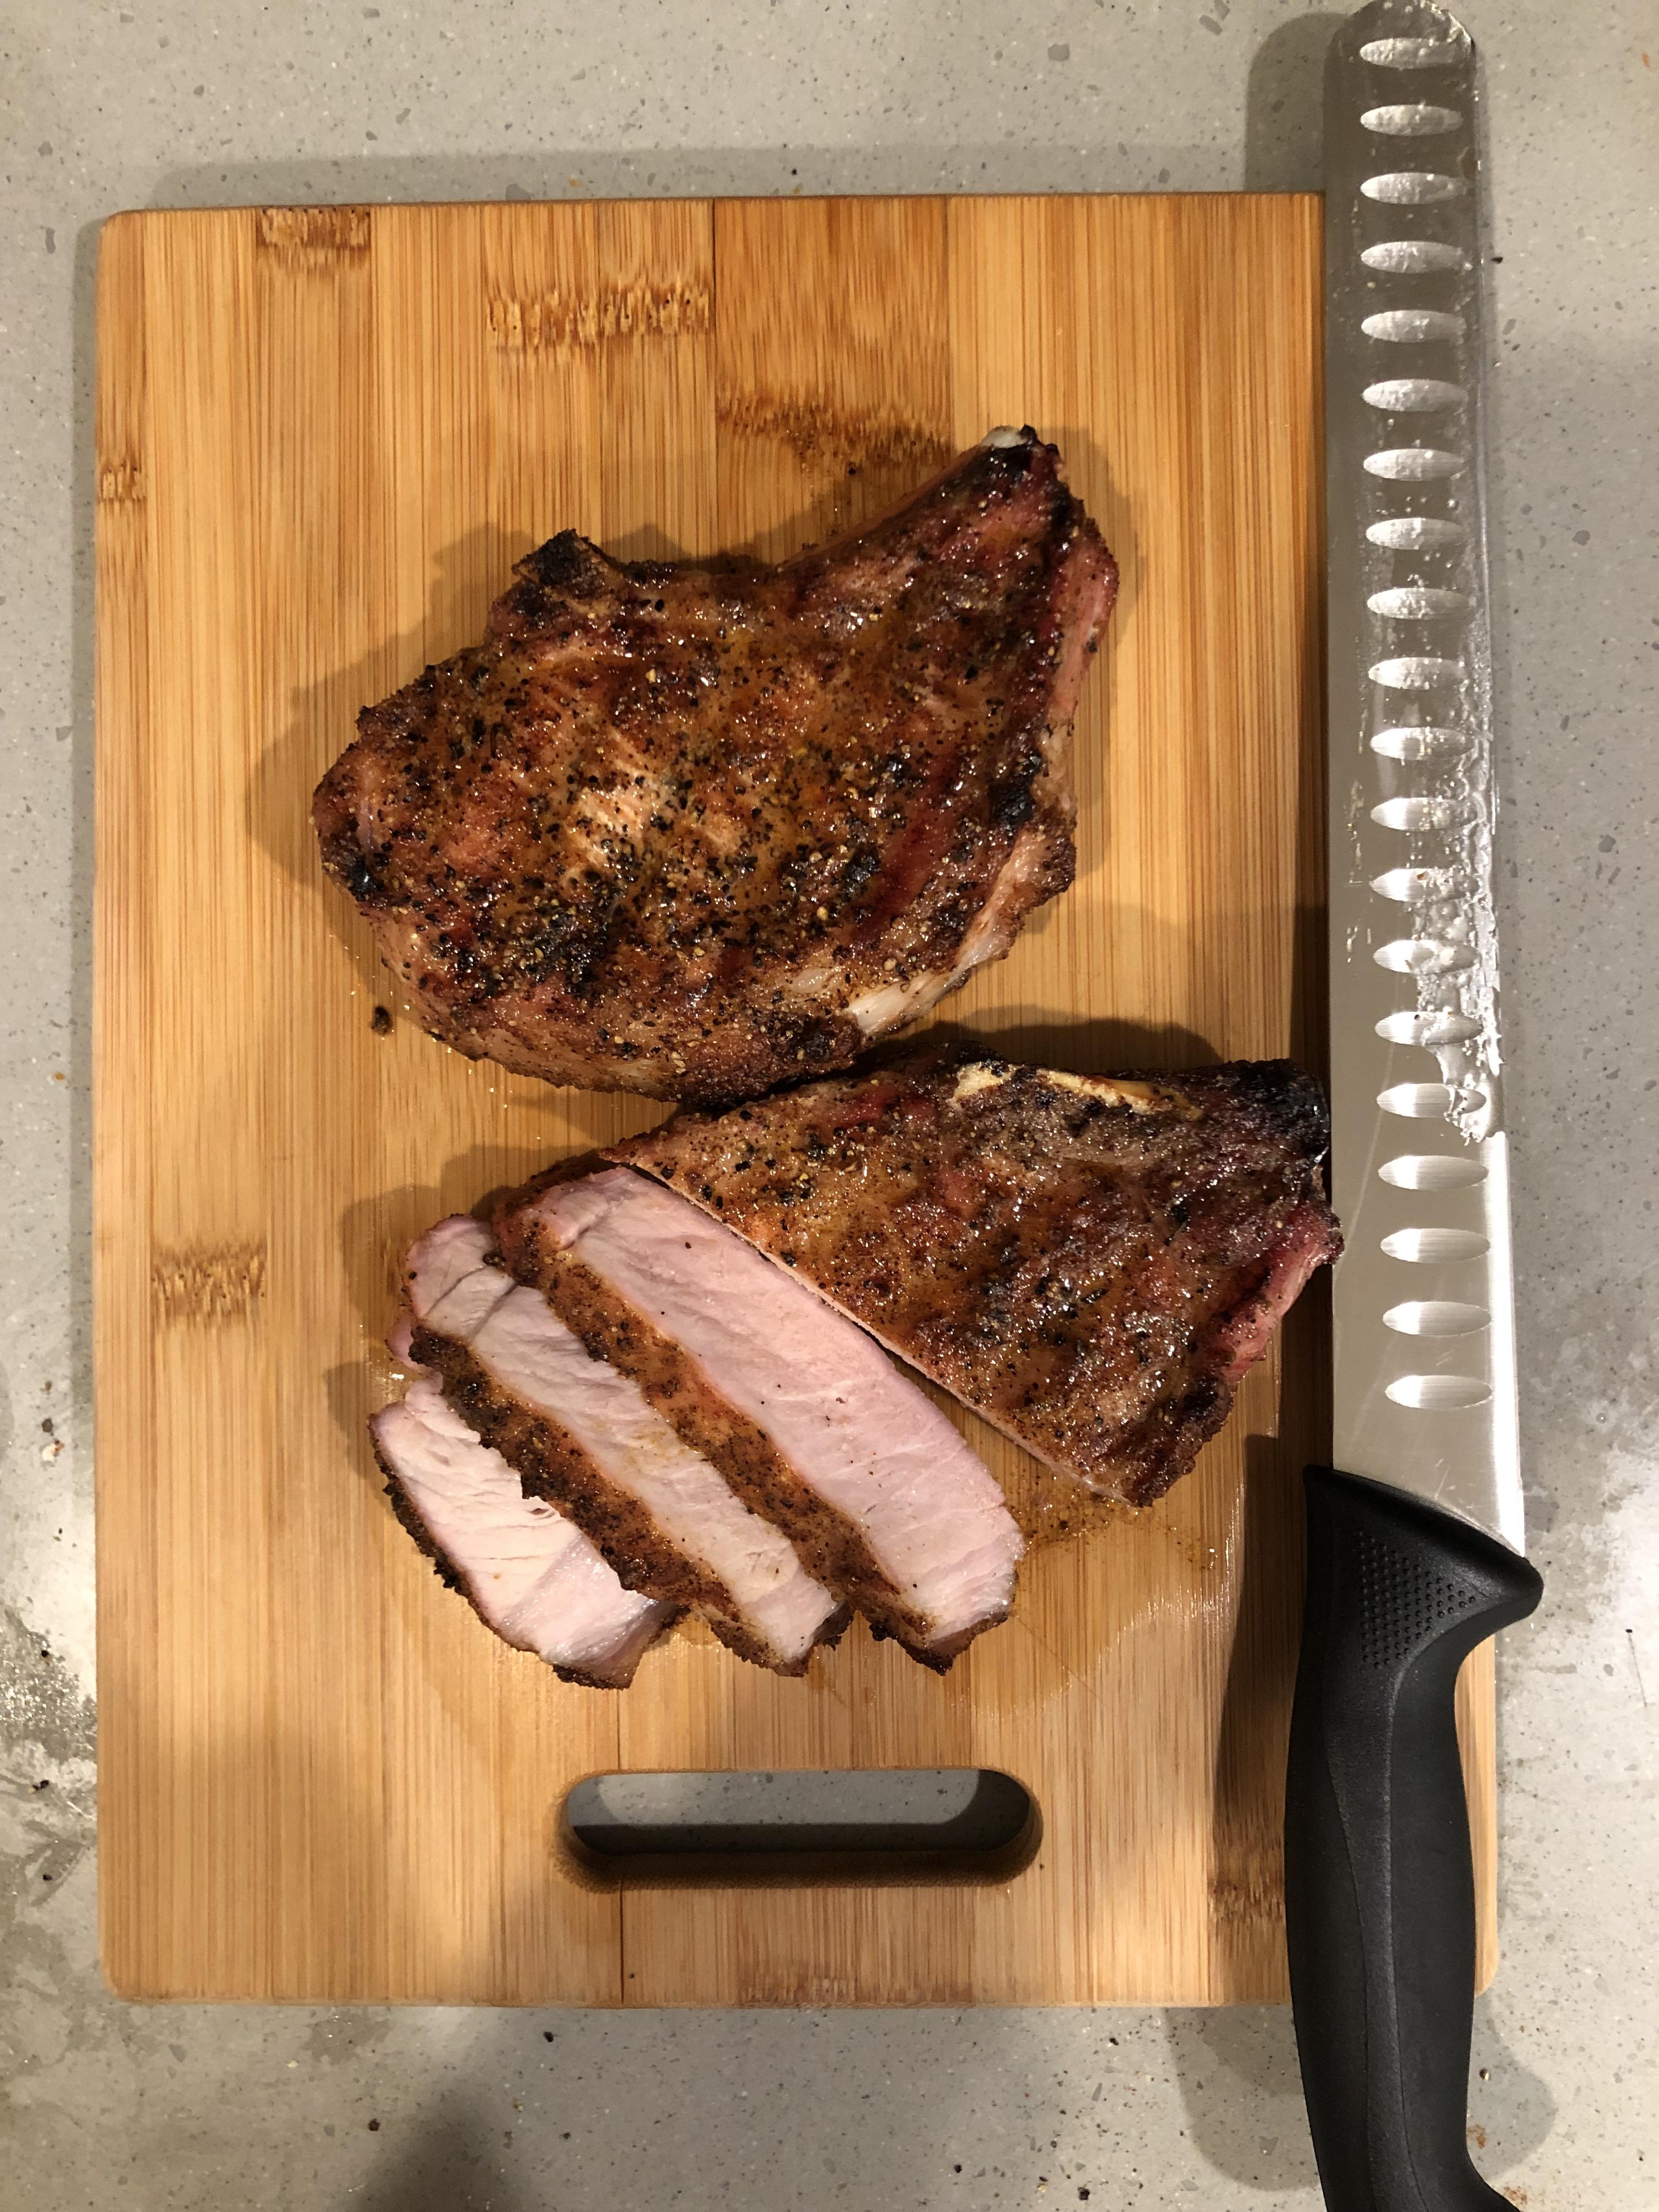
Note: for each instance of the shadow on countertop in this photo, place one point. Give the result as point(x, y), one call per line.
point(1239, 2080)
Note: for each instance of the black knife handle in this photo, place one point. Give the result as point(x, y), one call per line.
point(1379, 1882)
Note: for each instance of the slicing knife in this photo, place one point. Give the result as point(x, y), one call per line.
point(1415, 1534)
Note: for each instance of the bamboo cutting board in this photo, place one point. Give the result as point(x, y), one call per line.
point(324, 435)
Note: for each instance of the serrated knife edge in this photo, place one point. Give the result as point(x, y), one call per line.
point(1413, 932)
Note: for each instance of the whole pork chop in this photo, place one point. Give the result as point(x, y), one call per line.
point(1091, 1261)
point(691, 831)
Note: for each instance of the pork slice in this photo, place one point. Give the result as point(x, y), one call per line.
point(584, 1435)
point(528, 1572)
point(804, 1415)
point(452, 1250)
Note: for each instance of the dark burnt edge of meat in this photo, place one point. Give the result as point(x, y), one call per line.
point(407, 1515)
point(1280, 1095)
point(1203, 1409)
point(830, 1546)
point(675, 1045)
point(1271, 1100)
point(552, 1465)
point(1172, 1439)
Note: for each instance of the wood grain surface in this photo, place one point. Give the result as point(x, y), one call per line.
point(324, 435)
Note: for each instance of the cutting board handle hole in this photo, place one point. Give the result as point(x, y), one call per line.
point(803, 1827)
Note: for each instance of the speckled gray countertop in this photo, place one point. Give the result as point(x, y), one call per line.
point(175, 103)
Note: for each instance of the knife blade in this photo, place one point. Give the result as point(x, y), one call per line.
point(1415, 1534)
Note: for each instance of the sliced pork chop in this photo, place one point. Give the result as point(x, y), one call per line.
point(692, 830)
point(807, 1418)
point(1091, 1262)
point(584, 1436)
point(528, 1572)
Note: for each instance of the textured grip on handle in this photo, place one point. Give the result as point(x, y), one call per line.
point(1379, 1887)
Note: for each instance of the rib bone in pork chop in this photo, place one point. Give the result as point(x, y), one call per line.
point(693, 831)
point(1092, 1262)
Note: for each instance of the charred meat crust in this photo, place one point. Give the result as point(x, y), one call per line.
point(451, 1578)
point(1086, 1262)
point(831, 1548)
point(696, 830)
point(552, 1465)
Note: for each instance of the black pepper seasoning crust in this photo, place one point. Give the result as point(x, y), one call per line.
point(666, 824)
